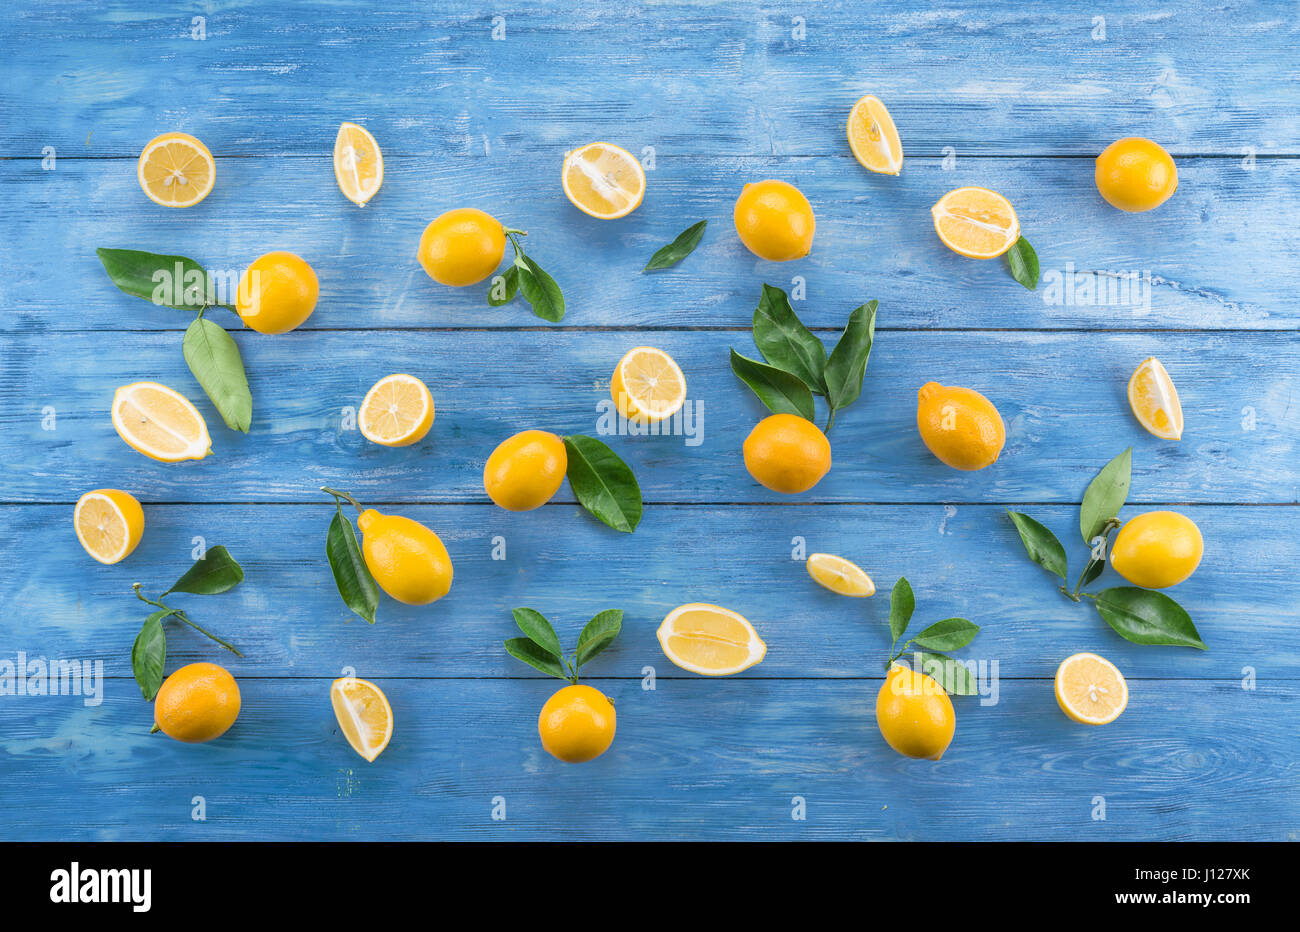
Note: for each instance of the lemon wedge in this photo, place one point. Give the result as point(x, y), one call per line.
point(603, 180)
point(358, 163)
point(160, 422)
point(396, 412)
point(176, 170)
point(873, 137)
point(840, 575)
point(109, 524)
point(364, 715)
point(647, 385)
point(976, 222)
point(710, 640)
point(1090, 690)
point(1154, 400)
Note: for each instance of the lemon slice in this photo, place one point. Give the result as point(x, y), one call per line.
point(710, 640)
point(160, 423)
point(603, 180)
point(839, 575)
point(176, 170)
point(109, 524)
point(1089, 689)
point(364, 715)
point(647, 385)
point(976, 222)
point(396, 412)
point(1154, 400)
point(358, 163)
point(873, 138)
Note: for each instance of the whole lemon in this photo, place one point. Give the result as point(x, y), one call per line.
point(1136, 174)
point(914, 714)
point(197, 703)
point(462, 247)
point(1157, 549)
point(407, 559)
point(959, 426)
point(525, 470)
point(775, 220)
point(577, 724)
point(787, 453)
point(277, 293)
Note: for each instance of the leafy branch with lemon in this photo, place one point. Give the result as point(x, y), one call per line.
point(577, 723)
point(215, 572)
point(1153, 551)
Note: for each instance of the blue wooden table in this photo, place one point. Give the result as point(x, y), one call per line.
point(477, 108)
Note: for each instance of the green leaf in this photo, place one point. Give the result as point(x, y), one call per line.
point(599, 634)
point(214, 359)
point(1041, 544)
point(1091, 573)
point(1146, 617)
point(949, 634)
point(149, 654)
point(535, 626)
point(168, 281)
point(524, 649)
point(782, 392)
point(678, 249)
point(1023, 262)
point(504, 287)
point(216, 572)
point(786, 343)
point(901, 605)
point(953, 675)
point(539, 289)
point(847, 365)
point(1105, 496)
point(358, 588)
point(603, 483)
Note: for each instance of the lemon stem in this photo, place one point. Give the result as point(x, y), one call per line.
point(343, 495)
point(178, 613)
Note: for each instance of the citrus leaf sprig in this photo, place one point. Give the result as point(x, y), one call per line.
point(214, 573)
point(526, 277)
point(355, 583)
point(1022, 262)
point(211, 353)
point(797, 366)
point(1142, 616)
point(668, 256)
point(946, 635)
point(540, 647)
point(602, 483)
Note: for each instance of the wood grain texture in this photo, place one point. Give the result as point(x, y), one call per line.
point(1014, 97)
point(693, 759)
point(1062, 397)
point(961, 560)
point(1205, 260)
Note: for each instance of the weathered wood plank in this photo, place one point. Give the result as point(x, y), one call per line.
point(731, 78)
point(1205, 260)
point(692, 760)
point(1062, 397)
point(962, 561)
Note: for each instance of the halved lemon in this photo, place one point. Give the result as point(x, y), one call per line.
point(397, 411)
point(109, 524)
point(1089, 689)
point(976, 222)
point(603, 180)
point(176, 170)
point(364, 715)
point(1154, 400)
point(160, 422)
point(358, 163)
point(873, 138)
point(710, 640)
point(647, 385)
point(840, 575)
